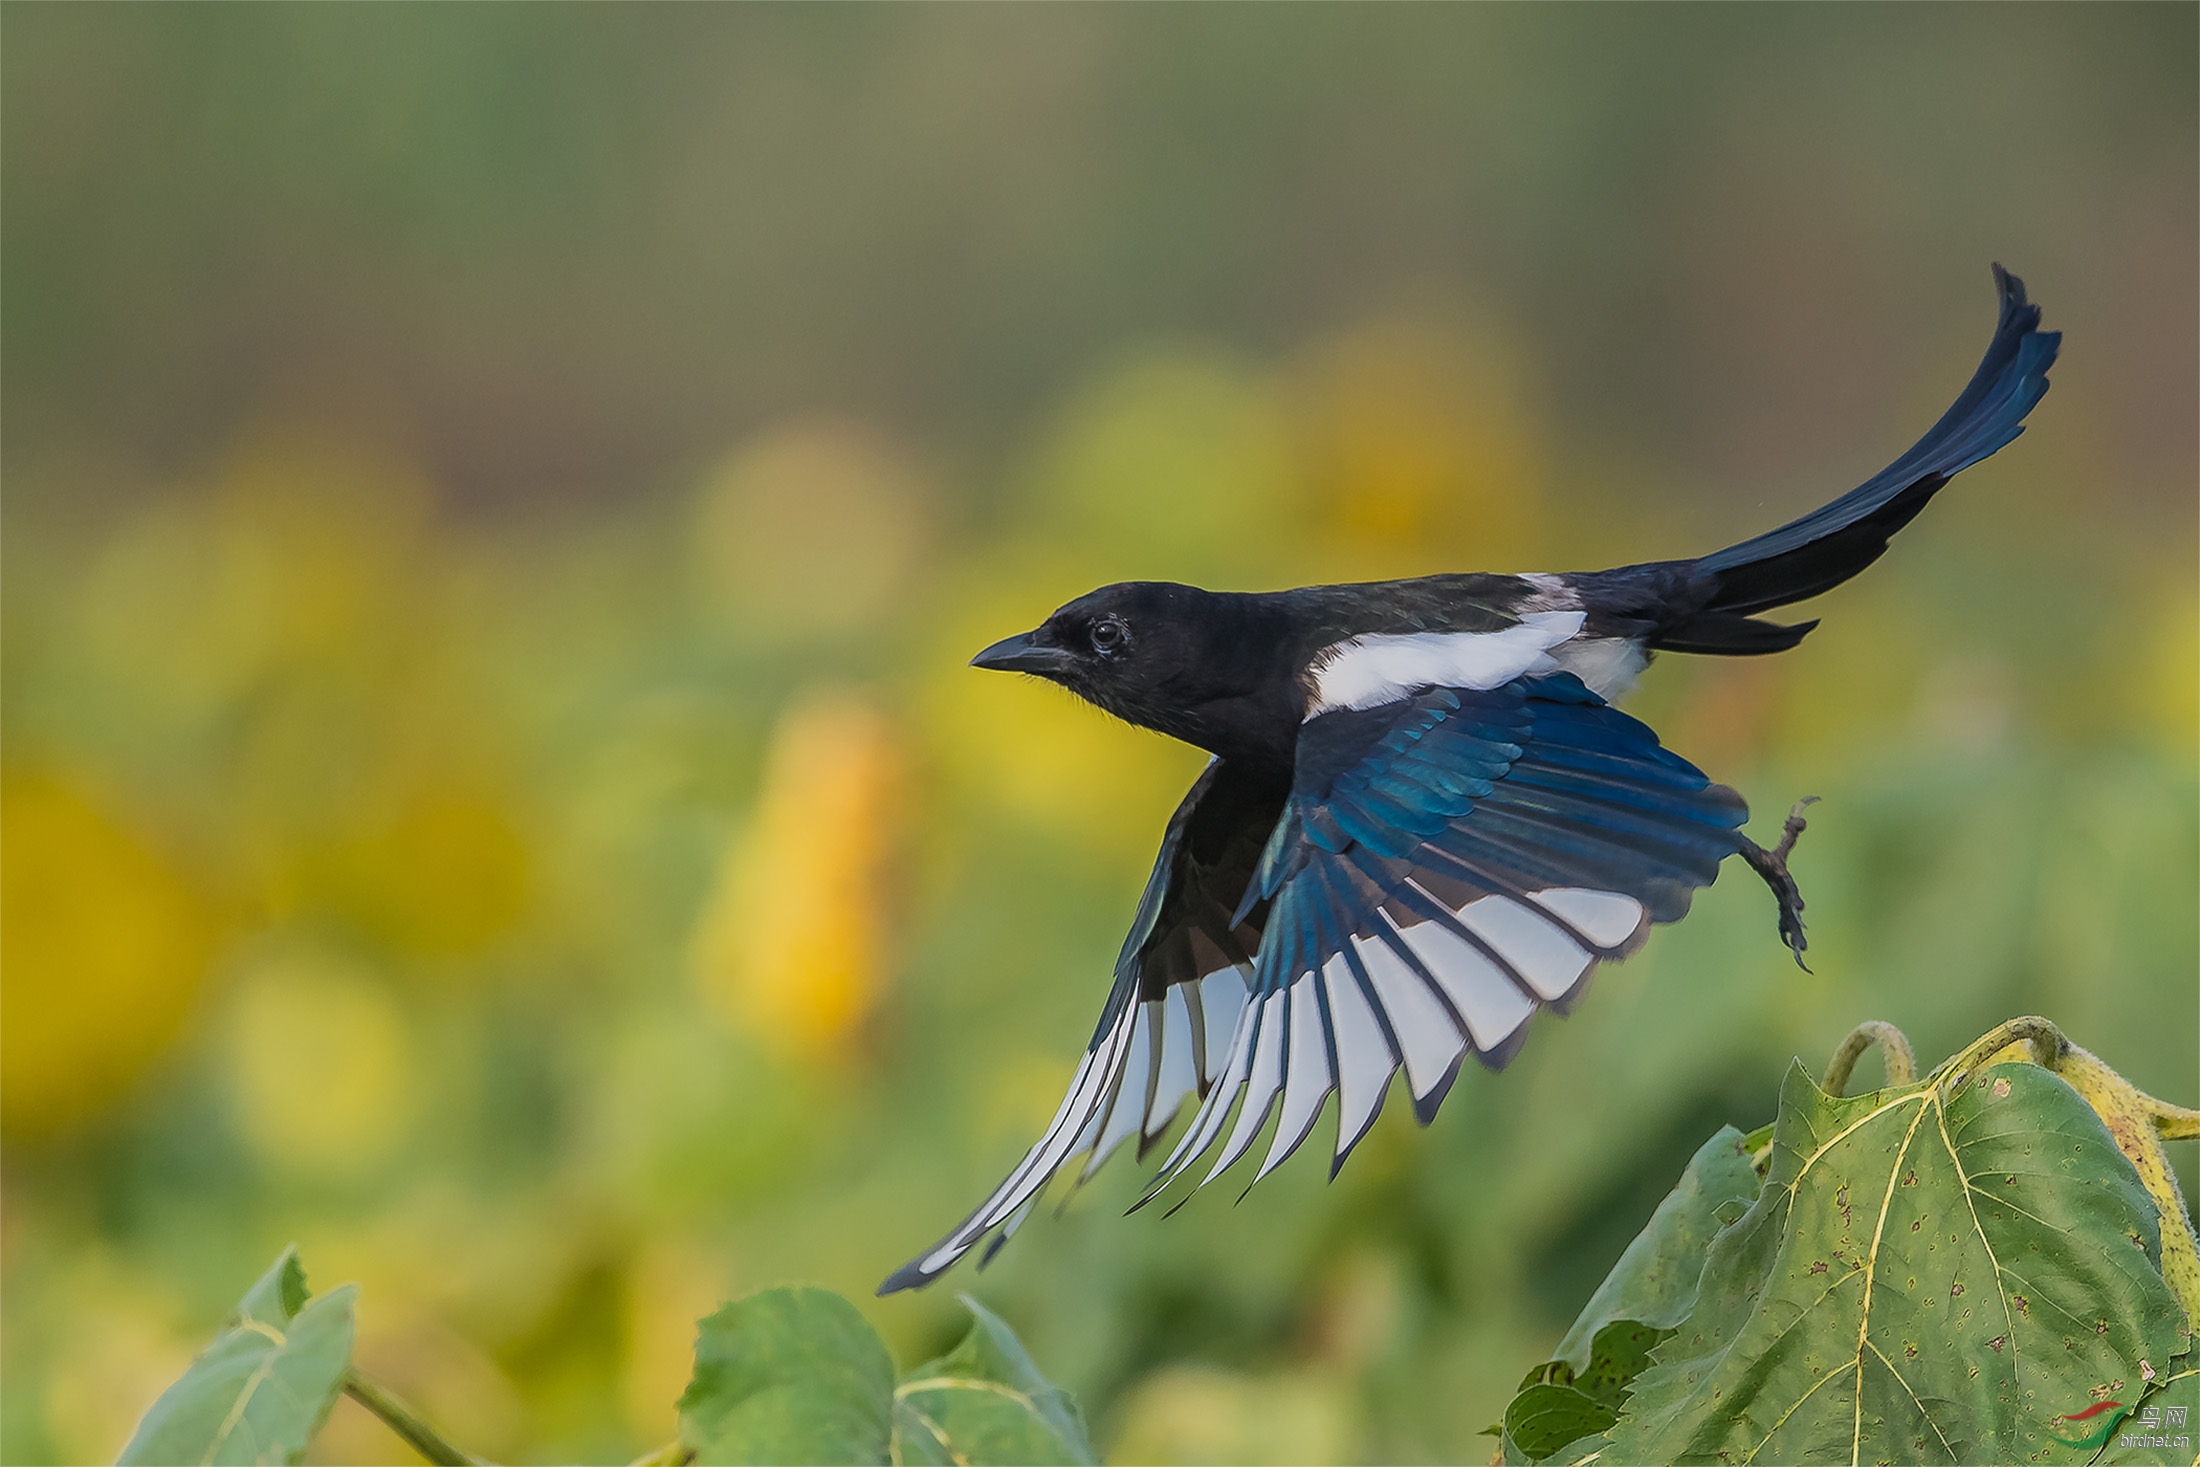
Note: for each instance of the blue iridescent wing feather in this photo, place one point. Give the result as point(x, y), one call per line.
point(1450, 863)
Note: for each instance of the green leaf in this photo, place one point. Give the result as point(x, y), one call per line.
point(1654, 1281)
point(263, 1388)
point(1579, 1392)
point(985, 1402)
point(1557, 1406)
point(789, 1375)
point(1929, 1275)
point(278, 1296)
point(1545, 1417)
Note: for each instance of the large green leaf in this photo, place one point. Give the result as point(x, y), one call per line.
point(1932, 1274)
point(261, 1390)
point(1579, 1392)
point(1654, 1282)
point(789, 1375)
point(985, 1402)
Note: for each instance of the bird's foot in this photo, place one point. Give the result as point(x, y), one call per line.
point(1772, 865)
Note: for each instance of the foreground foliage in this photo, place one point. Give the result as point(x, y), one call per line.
point(795, 1375)
point(786, 1375)
point(1990, 1264)
point(263, 1388)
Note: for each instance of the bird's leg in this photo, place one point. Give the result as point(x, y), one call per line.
point(1772, 865)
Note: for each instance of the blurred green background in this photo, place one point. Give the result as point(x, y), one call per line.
point(498, 500)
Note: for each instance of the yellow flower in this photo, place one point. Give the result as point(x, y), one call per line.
point(104, 946)
point(443, 874)
point(792, 946)
point(321, 1064)
point(1423, 448)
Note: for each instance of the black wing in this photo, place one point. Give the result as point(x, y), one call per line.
point(1446, 865)
point(1179, 995)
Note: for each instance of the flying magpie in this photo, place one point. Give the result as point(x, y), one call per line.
point(1423, 819)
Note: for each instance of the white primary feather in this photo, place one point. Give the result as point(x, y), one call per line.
point(1265, 1080)
point(1425, 1030)
point(1607, 918)
point(1537, 947)
point(1179, 1070)
point(1306, 1078)
point(1364, 1060)
point(1491, 1003)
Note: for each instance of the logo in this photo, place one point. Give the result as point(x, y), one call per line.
point(2154, 1423)
point(2111, 1412)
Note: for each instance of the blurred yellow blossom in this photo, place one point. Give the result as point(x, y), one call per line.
point(1423, 450)
point(320, 1062)
point(305, 552)
point(818, 526)
point(441, 874)
point(793, 944)
point(104, 944)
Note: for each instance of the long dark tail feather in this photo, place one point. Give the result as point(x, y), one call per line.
point(1832, 543)
point(1731, 634)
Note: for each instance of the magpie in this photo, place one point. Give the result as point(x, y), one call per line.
point(1422, 819)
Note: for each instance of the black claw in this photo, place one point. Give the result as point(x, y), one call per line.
point(1772, 866)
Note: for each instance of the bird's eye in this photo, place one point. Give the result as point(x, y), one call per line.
point(1108, 634)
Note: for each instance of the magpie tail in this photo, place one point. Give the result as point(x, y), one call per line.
point(1830, 544)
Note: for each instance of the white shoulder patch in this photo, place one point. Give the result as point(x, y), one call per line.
point(1366, 672)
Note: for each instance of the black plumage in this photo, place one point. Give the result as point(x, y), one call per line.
point(1423, 821)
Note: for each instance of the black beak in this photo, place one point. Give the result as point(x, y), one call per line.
point(1025, 652)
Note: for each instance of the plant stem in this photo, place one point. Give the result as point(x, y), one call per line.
point(2040, 1035)
point(1894, 1047)
point(2173, 1121)
point(398, 1417)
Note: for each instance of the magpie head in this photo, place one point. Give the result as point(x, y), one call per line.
point(1138, 649)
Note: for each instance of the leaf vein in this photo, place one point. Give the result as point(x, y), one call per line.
point(1774, 1429)
point(1914, 1400)
point(1846, 1131)
point(259, 1376)
point(939, 1436)
point(1871, 1264)
point(964, 1383)
point(2008, 1315)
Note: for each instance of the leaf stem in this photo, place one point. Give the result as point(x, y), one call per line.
point(398, 1417)
point(675, 1453)
point(1894, 1047)
point(2173, 1121)
point(2046, 1042)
